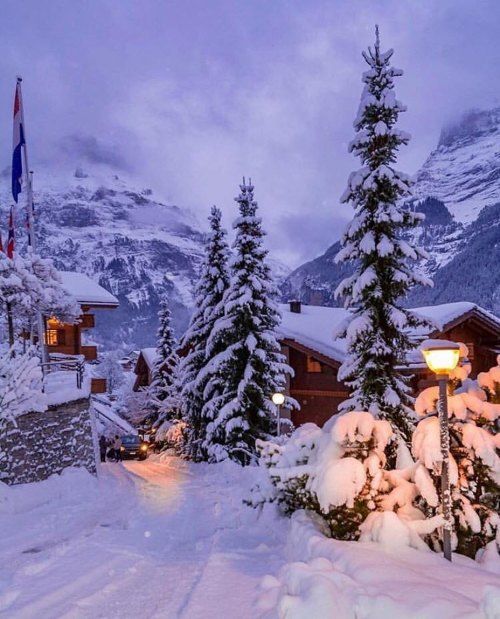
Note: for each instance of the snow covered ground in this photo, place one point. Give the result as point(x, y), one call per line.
point(173, 540)
point(150, 539)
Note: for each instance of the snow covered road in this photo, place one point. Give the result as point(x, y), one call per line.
point(154, 540)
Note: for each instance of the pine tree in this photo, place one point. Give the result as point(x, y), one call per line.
point(165, 369)
point(246, 365)
point(377, 331)
point(212, 284)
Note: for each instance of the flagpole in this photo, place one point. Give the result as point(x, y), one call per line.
point(31, 221)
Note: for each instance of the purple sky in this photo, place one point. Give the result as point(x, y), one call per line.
point(189, 95)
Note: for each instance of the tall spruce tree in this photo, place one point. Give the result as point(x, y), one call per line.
point(212, 285)
point(246, 364)
point(165, 369)
point(377, 333)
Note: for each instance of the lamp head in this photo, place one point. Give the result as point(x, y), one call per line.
point(278, 399)
point(441, 356)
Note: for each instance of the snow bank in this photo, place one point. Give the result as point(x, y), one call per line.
point(328, 578)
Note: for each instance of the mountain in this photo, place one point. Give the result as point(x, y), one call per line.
point(135, 245)
point(458, 189)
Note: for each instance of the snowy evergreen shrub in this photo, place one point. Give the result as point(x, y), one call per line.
point(165, 385)
point(336, 471)
point(474, 460)
point(377, 331)
point(208, 308)
point(246, 364)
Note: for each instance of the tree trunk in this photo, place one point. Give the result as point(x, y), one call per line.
point(10, 323)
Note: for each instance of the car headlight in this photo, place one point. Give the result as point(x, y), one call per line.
point(144, 447)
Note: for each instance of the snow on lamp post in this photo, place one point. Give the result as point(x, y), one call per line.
point(442, 356)
point(278, 399)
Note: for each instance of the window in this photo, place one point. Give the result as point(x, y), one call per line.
point(55, 337)
point(313, 365)
point(51, 337)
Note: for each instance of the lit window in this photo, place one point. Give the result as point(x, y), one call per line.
point(313, 365)
point(51, 337)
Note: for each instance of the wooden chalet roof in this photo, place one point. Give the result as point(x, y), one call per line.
point(86, 291)
point(314, 329)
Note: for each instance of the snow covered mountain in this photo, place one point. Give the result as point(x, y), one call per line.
point(458, 189)
point(93, 221)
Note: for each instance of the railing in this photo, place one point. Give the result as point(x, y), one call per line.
point(65, 363)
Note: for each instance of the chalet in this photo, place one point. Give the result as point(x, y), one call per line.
point(144, 368)
point(69, 339)
point(307, 337)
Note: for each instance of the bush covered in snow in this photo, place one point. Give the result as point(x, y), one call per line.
point(474, 461)
point(341, 473)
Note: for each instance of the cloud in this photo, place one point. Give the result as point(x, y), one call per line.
point(191, 96)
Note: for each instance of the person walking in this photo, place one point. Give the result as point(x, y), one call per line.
point(117, 443)
point(103, 445)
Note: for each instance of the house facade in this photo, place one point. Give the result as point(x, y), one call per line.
point(308, 337)
point(72, 340)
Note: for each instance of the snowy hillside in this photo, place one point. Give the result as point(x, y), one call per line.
point(125, 237)
point(458, 189)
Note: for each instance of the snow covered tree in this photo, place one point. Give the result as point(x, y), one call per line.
point(474, 461)
point(165, 385)
point(212, 284)
point(377, 332)
point(32, 284)
point(250, 366)
point(111, 369)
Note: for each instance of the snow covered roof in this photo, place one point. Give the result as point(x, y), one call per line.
point(314, 327)
point(86, 291)
point(150, 356)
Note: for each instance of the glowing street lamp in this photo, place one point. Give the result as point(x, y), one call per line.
point(278, 399)
point(442, 356)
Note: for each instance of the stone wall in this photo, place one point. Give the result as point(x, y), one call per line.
point(46, 443)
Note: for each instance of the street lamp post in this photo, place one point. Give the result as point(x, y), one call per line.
point(442, 356)
point(278, 399)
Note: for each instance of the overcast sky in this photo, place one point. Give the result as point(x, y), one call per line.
point(189, 95)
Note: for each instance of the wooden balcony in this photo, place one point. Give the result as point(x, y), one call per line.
point(87, 321)
point(89, 352)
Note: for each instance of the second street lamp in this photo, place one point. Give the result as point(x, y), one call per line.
point(442, 356)
point(278, 399)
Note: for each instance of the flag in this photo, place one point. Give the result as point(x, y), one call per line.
point(11, 239)
point(17, 144)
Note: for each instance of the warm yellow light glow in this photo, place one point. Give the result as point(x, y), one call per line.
point(144, 447)
point(441, 359)
point(278, 399)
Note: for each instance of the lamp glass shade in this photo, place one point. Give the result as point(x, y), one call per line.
point(278, 399)
point(441, 360)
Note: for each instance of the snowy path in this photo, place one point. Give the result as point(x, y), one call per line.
point(173, 541)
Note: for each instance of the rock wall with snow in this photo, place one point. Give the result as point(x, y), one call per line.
point(42, 444)
point(458, 189)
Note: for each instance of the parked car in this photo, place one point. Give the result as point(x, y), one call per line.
point(133, 447)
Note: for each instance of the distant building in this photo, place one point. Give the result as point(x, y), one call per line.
point(144, 368)
point(67, 339)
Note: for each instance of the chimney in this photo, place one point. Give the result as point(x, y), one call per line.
point(295, 307)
